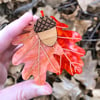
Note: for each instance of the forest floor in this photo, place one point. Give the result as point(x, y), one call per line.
point(82, 16)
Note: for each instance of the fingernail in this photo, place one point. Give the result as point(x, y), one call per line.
point(45, 91)
point(35, 18)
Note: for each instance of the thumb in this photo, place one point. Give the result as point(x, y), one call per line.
point(25, 91)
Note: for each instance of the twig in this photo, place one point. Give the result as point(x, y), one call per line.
point(26, 7)
point(92, 34)
point(90, 40)
point(67, 5)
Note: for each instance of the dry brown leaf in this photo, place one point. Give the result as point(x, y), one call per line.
point(98, 51)
point(15, 69)
point(96, 93)
point(5, 1)
point(43, 98)
point(76, 24)
point(14, 73)
point(54, 3)
point(65, 89)
point(81, 26)
point(10, 81)
point(95, 98)
point(71, 17)
point(3, 20)
point(84, 4)
point(89, 74)
point(48, 10)
point(98, 46)
point(22, 0)
point(94, 7)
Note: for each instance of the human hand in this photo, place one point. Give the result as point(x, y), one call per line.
point(25, 90)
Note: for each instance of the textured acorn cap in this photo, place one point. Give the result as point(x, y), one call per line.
point(43, 24)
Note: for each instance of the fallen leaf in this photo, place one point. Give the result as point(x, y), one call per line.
point(54, 3)
point(81, 26)
point(2, 21)
point(4, 1)
point(94, 7)
point(21, 0)
point(98, 51)
point(89, 74)
point(84, 4)
point(66, 88)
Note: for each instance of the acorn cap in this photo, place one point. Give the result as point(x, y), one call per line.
point(44, 23)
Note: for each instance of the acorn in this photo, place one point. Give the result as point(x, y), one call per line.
point(45, 27)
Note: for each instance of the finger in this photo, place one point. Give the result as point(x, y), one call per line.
point(13, 29)
point(25, 91)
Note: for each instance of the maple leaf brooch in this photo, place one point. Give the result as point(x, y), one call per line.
point(48, 47)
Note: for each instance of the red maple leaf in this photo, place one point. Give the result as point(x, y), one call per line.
point(40, 58)
point(71, 59)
